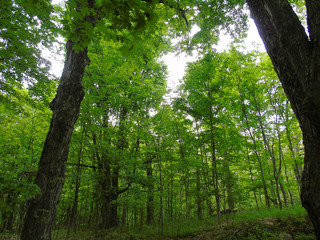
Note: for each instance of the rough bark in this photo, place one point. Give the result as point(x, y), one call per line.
point(42, 209)
point(296, 59)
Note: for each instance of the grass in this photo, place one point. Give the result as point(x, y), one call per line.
point(272, 212)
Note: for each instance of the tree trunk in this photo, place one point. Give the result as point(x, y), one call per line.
point(161, 191)
point(124, 219)
point(295, 57)
point(150, 199)
point(252, 179)
point(109, 211)
point(244, 112)
point(198, 194)
point(267, 147)
point(207, 185)
point(228, 181)
point(42, 209)
point(6, 219)
point(296, 165)
point(215, 179)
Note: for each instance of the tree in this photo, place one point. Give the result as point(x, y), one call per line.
point(295, 55)
point(80, 23)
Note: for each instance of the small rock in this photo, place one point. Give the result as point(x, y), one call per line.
point(285, 236)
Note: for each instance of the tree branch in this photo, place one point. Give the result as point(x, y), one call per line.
point(82, 165)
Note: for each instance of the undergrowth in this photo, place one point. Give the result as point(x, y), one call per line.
point(265, 224)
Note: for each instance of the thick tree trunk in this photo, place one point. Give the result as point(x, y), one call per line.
point(41, 210)
point(109, 211)
point(296, 59)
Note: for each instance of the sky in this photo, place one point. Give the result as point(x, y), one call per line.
point(177, 64)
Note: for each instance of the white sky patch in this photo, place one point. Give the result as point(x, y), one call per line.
point(56, 57)
point(177, 64)
point(251, 42)
point(57, 2)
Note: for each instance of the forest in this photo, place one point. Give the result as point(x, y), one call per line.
point(108, 151)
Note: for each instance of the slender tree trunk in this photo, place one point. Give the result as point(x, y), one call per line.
point(124, 219)
point(171, 195)
point(228, 181)
point(186, 181)
point(208, 189)
point(206, 179)
point(244, 112)
point(198, 194)
point(7, 215)
point(289, 138)
point(295, 57)
point(252, 179)
point(161, 197)
point(215, 179)
point(268, 148)
point(73, 216)
point(150, 199)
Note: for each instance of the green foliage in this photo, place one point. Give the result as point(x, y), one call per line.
point(21, 140)
point(25, 25)
point(215, 17)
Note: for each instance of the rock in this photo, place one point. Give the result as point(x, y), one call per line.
point(285, 236)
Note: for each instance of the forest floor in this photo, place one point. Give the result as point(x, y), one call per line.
point(287, 224)
point(268, 228)
point(274, 224)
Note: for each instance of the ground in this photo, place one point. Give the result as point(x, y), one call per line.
point(268, 224)
point(268, 228)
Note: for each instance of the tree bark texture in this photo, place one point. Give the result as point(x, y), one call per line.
point(42, 209)
point(296, 59)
